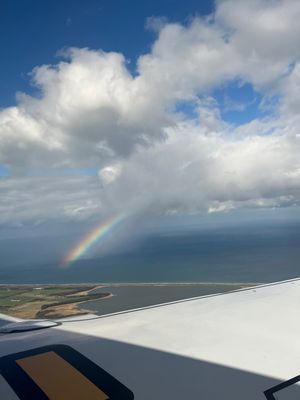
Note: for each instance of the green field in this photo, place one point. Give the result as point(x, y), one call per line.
point(44, 301)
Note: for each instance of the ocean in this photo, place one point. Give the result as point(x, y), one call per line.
point(229, 254)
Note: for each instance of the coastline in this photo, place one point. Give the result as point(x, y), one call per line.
point(105, 284)
point(56, 301)
point(70, 310)
point(47, 301)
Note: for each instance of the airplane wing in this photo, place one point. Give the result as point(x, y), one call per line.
point(239, 345)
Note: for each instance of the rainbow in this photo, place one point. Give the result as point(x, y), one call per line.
point(99, 232)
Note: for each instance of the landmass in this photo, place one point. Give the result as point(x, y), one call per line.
point(46, 301)
point(55, 301)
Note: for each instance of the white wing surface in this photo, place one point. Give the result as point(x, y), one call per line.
point(238, 345)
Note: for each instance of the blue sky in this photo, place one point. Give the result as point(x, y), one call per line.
point(100, 113)
point(33, 31)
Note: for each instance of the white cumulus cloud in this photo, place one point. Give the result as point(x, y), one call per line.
point(152, 156)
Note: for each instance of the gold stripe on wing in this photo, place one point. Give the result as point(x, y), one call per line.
point(58, 379)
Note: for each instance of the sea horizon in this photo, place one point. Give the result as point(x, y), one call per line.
point(237, 255)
